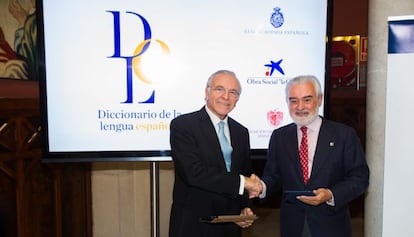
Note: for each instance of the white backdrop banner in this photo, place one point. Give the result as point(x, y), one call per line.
point(399, 158)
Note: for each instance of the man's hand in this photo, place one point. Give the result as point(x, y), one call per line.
point(245, 212)
point(253, 185)
point(322, 195)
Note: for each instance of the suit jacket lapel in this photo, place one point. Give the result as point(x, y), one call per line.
point(324, 146)
point(293, 149)
point(235, 144)
point(210, 135)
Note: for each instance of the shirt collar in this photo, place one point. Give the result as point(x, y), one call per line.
point(214, 118)
point(315, 125)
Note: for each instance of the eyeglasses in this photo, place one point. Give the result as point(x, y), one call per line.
point(221, 90)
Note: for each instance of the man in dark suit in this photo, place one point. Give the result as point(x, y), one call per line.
point(335, 168)
point(204, 186)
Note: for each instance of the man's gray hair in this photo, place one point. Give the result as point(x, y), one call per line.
point(219, 72)
point(303, 79)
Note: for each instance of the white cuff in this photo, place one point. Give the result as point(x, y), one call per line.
point(331, 202)
point(263, 193)
point(241, 187)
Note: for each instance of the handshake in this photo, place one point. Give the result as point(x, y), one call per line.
point(253, 185)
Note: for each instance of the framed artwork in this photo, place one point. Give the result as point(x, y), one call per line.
point(18, 49)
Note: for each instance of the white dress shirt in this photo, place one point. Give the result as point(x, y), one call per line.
point(215, 120)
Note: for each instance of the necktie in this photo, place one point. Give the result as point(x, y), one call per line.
point(303, 154)
point(225, 146)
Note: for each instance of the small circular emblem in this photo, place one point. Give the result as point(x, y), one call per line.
point(277, 18)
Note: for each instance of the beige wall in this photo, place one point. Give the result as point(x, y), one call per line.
point(121, 199)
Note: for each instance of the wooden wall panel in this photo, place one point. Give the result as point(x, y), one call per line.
point(38, 199)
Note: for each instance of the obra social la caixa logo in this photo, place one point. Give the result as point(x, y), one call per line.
point(133, 62)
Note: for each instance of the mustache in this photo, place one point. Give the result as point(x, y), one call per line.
point(302, 112)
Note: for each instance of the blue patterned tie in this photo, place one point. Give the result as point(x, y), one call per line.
point(225, 146)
